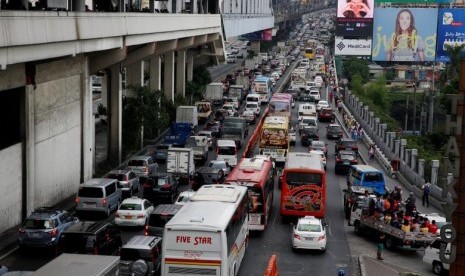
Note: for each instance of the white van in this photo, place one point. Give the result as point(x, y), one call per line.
point(227, 150)
point(432, 257)
point(253, 106)
point(318, 81)
point(254, 97)
point(306, 109)
point(305, 63)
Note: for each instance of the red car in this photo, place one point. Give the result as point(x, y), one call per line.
point(326, 115)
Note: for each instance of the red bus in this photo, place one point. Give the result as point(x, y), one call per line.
point(303, 186)
point(257, 175)
point(280, 105)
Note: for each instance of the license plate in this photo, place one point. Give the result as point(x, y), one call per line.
point(128, 217)
point(35, 235)
point(89, 205)
point(309, 239)
point(346, 163)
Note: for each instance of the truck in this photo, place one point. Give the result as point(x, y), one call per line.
point(204, 111)
point(187, 114)
point(199, 144)
point(235, 128)
point(395, 237)
point(80, 264)
point(180, 162)
point(214, 93)
point(298, 79)
point(178, 134)
point(237, 91)
point(244, 81)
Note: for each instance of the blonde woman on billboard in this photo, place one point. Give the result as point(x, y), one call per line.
point(356, 9)
point(405, 43)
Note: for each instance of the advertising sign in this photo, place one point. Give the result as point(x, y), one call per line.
point(401, 34)
point(352, 47)
point(354, 17)
point(451, 31)
point(408, 1)
point(265, 35)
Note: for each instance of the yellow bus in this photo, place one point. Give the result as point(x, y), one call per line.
point(274, 138)
point(309, 53)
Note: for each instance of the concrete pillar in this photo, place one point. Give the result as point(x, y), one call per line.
point(87, 125)
point(135, 75)
point(29, 111)
point(365, 113)
point(371, 120)
point(155, 73)
point(403, 144)
point(190, 66)
point(255, 46)
point(413, 160)
point(421, 168)
point(396, 147)
point(181, 73)
point(105, 90)
point(115, 114)
point(407, 153)
point(434, 171)
point(376, 125)
point(383, 128)
point(169, 76)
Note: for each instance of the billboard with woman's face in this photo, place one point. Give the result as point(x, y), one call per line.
point(404, 34)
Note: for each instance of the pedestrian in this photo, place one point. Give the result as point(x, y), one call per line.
point(410, 205)
point(426, 190)
point(371, 152)
point(339, 106)
point(381, 238)
point(331, 96)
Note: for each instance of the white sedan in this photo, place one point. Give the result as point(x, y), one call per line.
point(321, 104)
point(133, 211)
point(309, 233)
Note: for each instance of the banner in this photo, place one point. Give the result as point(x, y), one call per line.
point(451, 31)
point(352, 47)
point(404, 34)
point(409, 1)
point(354, 18)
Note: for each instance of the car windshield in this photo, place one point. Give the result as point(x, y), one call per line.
point(119, 177)
point(347, 157)
point(39, 224)
point(335, 128)
point(130, 254)
point(131, 206)
point(92, 192)
point(308, 227)
point(217, 165)
point(136, 163)
point(318, 144)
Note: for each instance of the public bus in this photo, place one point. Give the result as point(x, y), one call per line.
point(274, 138)
point(257, 175)
point(309, 53)
point(262, 86)
point(208, 236)
point(280, 105)
point(303, 186)
point(320, 50)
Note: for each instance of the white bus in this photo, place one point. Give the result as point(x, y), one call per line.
point(208, 236)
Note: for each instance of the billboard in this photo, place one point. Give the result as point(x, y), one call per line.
point(451, 31)
point(352, 47)
point(409, 1)
point(265, 35)
point(401, 34)
point(354, 18)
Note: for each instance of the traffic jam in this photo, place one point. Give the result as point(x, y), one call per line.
point(256, 161)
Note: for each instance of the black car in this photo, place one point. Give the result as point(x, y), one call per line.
point(160, 187)
point(215, 127)
point(334, 131)
point(207, 175)
point(344, 159)
point(141, 255)
point(220, 115)
point(91, 237)
point(346, 144)
point(308, 134)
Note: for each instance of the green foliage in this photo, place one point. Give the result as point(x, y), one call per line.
point(424, 146)
point(356, 85)
point(390, 74)
point(354, 66)
point(377, 92)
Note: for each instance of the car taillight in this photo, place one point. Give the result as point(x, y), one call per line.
point(321, 237)
point(54, 232)
point(147, 186)
point(166, 187)
point(76, 200)
point(104, 201)
point(146, 169)
point(146, 230)
point(21, 230)
point(140, 216)
point(117, 215)
point(296, 236)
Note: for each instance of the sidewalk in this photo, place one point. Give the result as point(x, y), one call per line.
point(372, 267)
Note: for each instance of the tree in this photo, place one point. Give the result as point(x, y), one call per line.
point(453, 68)
point(354, 66)
point(377, 92)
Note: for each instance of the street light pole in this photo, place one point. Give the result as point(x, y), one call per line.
point(431, 101)
point(406, 113)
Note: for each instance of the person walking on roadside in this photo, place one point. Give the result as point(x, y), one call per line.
point(426, 190)
point(371, 152)
point(380, 244)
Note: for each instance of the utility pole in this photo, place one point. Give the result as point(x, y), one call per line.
point(431, 101)
point(406, 113)
point(415, 79)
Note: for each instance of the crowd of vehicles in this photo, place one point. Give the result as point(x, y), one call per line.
point(205, 229)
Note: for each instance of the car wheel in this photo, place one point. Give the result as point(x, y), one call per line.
point(437, 268)
point(389, 243)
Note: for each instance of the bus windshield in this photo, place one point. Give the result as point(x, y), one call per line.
point(279, 106)
point(300, 178)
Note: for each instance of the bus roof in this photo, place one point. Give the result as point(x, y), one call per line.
point(249, 170)
point(276, 120)
point(281, 96)
point(262, 78)
point(303, 160)
point(219, 193)
point(365, 168)
point(202, 216)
